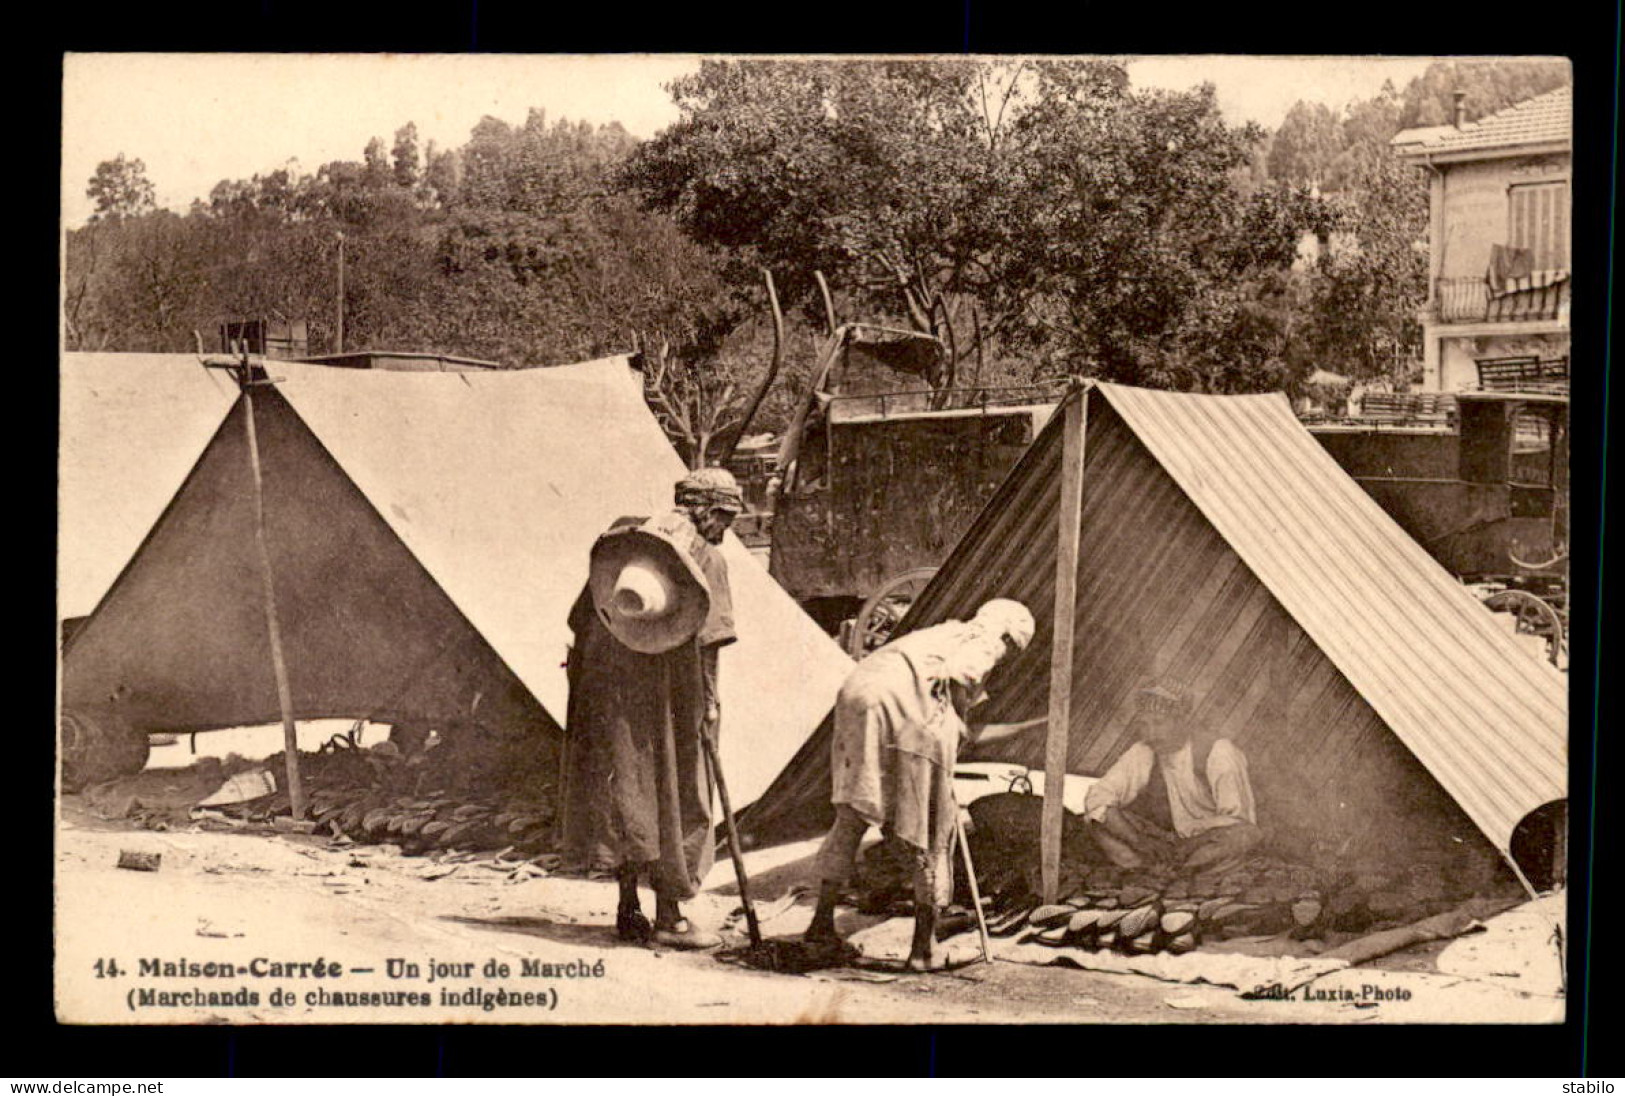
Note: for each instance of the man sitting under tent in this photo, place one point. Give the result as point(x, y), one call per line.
point(643, 689)
point(1178, 798)
point(899, 722)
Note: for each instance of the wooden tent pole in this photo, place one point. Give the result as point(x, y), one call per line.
point(279, 666)
point(1069, 528)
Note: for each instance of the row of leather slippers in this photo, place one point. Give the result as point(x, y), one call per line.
point(1105, 923)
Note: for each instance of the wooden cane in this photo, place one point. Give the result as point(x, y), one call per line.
point(715, 764)
point(975, 890)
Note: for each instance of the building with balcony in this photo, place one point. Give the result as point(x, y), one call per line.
point(1497, 314)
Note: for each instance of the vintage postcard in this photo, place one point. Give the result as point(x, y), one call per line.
point(906, 540)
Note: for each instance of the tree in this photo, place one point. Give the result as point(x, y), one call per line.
point(376, 172)
point(82, 271)
point(406, 156)
point(1076, 216)
point(120, 188)
point(1367, 294)
point(1304, 149)
point(158, 270)
point(441, 171)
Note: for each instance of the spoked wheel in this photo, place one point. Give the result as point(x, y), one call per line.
point(1536, 617)
point(885, 609)
point(98, 746)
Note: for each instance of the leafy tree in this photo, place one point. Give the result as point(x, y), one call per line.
point(157, 275)
point(441, 172)
point(376, 173)
point(405, 155)
point(83, 274)
point(1077, 218)
point(1304, 148)
point(1360, 304)
point(120, 188)
point(1366, 297)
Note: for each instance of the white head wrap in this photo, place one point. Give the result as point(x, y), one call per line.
point(1006, 618)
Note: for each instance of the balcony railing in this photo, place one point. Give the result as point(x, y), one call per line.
point(1470, 300)
point(1524, 374)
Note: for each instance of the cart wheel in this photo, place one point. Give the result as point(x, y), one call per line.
point(885, 609)
point(97, 746)
point(1535, 617)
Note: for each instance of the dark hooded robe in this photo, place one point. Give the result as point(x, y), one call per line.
point(637, 790)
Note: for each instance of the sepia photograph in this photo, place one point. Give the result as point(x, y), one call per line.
point(789, 540)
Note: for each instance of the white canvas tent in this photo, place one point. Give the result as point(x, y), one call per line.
point(429, 533)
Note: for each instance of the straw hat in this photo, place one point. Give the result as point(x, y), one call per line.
point(647, 591)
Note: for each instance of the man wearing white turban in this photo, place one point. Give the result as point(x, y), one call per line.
point(899, 723)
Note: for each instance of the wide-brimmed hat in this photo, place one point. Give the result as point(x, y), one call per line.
point(648, 591)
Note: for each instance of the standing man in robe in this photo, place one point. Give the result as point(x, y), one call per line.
point(899, 723)
point(638, 793)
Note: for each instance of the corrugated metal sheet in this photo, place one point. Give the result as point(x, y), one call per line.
point(1223, 548)
point(1487, 720)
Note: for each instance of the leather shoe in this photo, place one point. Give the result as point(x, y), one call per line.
point(683, 936)
point(631, 925)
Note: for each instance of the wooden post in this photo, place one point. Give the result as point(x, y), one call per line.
point(339, 335)
point(1069, 517)
point(279, 667)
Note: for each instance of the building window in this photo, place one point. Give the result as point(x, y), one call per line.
point(1538, 221)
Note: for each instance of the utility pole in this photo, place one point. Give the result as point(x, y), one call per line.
point(340, 348)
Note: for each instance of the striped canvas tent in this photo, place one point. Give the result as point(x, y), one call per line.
point(1221, 547)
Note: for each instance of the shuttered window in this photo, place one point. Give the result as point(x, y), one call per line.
point(1538, 220)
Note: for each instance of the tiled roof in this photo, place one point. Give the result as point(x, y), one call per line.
point(1420, 135)
point(1541, 120)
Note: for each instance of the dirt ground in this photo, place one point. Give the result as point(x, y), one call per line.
point(261, 904)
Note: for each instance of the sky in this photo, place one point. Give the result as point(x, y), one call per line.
point(195, 119)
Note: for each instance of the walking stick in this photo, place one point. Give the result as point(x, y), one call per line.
point(975, 890)
point(715, 765)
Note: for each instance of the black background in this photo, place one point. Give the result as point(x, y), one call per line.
point(35, 1046)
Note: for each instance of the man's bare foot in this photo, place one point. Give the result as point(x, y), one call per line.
point(922, 964)
point(923, 952)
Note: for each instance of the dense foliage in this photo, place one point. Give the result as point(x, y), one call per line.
point(1038, 217)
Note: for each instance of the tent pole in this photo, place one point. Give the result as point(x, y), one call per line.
point(1528, 887)
point(279, 666)
point(1069, 530)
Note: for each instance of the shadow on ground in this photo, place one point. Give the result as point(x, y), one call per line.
point(560, 932)
point(771, 883)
